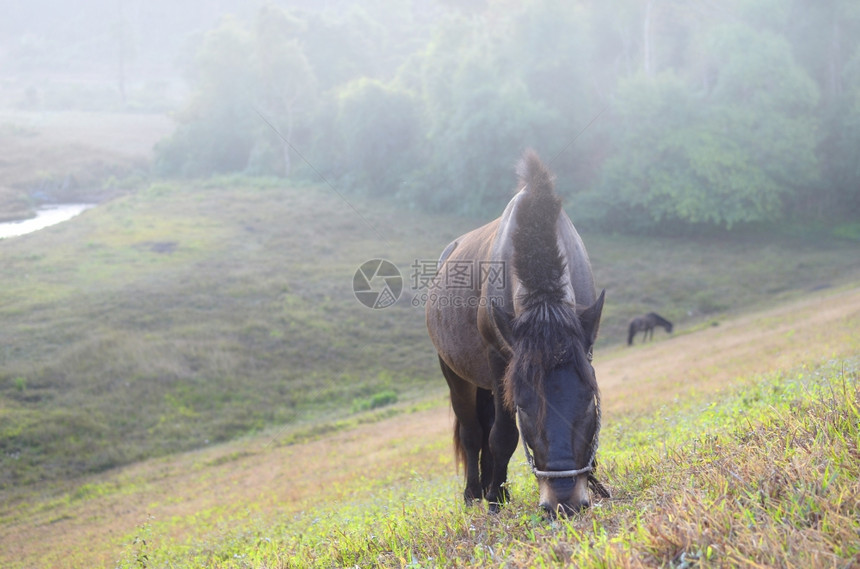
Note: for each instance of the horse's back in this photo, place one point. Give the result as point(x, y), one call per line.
point(457, 307)
point(452, 306)
point(578, 263)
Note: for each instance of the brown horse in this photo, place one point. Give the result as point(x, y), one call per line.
point(646, 325)
point(515, 343)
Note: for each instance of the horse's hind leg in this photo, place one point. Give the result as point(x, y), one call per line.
point(486, 416)
point(504, 438)
point(468, 433)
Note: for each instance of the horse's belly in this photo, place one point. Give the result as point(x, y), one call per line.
point(454, 332)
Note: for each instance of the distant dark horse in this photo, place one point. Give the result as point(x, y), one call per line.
point(515, 342)
point(647, 324)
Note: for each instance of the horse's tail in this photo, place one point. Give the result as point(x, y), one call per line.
point(459, 449)
point(630, 333)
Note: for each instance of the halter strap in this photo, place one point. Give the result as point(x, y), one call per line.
point(554, 473)
point(596, 486)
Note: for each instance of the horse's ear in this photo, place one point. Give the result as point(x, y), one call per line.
point(590, 318)
point(501, 324)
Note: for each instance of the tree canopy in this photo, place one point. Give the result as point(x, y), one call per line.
point(706, 114)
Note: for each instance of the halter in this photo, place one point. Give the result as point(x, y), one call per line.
point(588, 468)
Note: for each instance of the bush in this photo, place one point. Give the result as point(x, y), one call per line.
point(375, 401)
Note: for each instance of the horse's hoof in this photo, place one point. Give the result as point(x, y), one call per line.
point(469, 497)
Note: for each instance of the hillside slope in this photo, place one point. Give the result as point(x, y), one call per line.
point(216, 495)
point(192, 313)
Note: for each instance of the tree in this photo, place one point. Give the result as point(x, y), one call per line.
point(734, 153)
point(480, 118)
point(826, 39)
point(768, 100)
point(216, 128)
point(375, 137)
point(839, 196)
point(286, 85)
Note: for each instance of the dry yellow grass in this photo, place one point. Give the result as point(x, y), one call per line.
point(83, 523)
point(811, 329)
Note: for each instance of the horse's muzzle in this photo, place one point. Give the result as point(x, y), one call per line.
point(565, 509)
point(564, 496)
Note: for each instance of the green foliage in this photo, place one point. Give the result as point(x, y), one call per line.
point(256, 92)
point(285, 92)
point(839, 143)
point(769, 130)
point(472, 152)
point(215, 129)
point(714, 121)
point(376, 133)
point(480, 120)
point(848, 231)
point(726, 155)
point(375, 401)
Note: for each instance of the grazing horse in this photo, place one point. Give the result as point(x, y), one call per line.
point(646, 324)
point(515, 340)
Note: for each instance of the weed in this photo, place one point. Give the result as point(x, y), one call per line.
point(375, 401)
point(849, 231)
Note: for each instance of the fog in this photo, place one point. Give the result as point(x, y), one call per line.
point(248, 162)
point(655, 113)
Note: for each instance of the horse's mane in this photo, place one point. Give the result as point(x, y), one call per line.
point(659, 318)
point(547, 333)
point(537, 260)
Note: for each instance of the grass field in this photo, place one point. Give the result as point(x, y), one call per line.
point(186, 379)
point(733, 445)
point(192, 313)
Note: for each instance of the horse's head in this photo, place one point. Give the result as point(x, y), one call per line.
point(561, 431)
point(548, 339)
point(552, 388)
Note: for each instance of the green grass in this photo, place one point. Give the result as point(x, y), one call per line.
point(191, 313)
point(765, 475)
point(848, 231)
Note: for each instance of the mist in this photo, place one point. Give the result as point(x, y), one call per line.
point(656, 114)
point(220, 222)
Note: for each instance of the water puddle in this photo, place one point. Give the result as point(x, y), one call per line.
point(45, 217)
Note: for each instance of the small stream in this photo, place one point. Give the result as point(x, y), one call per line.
point(45, 216)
